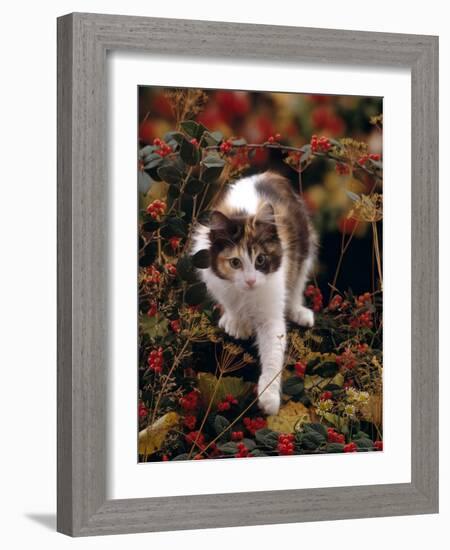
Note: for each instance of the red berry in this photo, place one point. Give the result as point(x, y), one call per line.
point(326, 395)
point(335, 303)
point(378, 445)
point(174, 242)
point(300, 369)
point(350, 448)
point(175, 325)
point(190, 421)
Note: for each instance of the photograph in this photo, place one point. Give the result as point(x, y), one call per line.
point(260, 274)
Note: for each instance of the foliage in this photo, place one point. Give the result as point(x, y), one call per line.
point(196, 384)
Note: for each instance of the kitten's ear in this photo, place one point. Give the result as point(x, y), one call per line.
point(218, 221)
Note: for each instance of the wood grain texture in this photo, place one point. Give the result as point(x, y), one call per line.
point(83, 41)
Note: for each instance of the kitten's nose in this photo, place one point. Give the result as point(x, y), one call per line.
point(250, 282)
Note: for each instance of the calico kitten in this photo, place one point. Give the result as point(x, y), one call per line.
point(262, 250)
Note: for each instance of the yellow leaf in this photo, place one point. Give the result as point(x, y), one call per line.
point(373, 411)
point(152, 438)
point(228, 385)
point(290, 417)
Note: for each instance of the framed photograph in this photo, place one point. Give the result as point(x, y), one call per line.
point(247, 269)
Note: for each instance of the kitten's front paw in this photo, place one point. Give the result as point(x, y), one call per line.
point(269, 401)
point(302, 316)
point(237, 328)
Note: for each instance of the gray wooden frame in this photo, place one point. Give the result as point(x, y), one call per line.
point(83, 41)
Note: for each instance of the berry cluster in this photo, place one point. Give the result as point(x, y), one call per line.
point(152, 275)
point(237, 436)
point(364, 299)
point(346, 359)
point(334, 437)
point(285, 444)
point(190, 401)
point(342, 168)
point(300, 369)
point(155, 360)
point(320, 144)
point(378, 445)
point(226, 404)
point(254, 424)
point(142, 410)
point(171, 269)
point(274, 139)
point(242, 451)
point(192, 437)
point(362, 348)
point(175, 326)
point(364, 320)
point(174, 242)
point(190, 421)
point(335, 303)
point(226, 146)
point(314, 293)
point(350, 448)
point(326, 395)
point(156, 209)
point(164, 149)
point(362, 161)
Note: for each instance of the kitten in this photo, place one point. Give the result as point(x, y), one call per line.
point(262, 249)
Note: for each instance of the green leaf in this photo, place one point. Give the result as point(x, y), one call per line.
point(201, 259)
point(152, 161)
point(260, 435)
point(174, 227)
point(175, 136)
point(326, 369)
point(211, 138)
point(183, 456)
point(256, 453)
point(293, 386)
point(249, 443)
point(335, 448)
point(190, 127)
point(212, 174)
point(193, 129)
point(229, 448)
point(311, 439)
point(363, 443)
point(146, 151)
point(318, 428)
point(195, 294)
point(169, 173)
point(194, 186)
point(173, 192)
point(239, 142)
point(189, 153)
point(144, 182)
point(311, 364)
point(221, 424)
point(213, 161)
point(185, 269)
point(267, 437)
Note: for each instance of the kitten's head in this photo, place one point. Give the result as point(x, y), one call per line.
point(245, 249)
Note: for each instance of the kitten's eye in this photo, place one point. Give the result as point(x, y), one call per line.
point(260, 260)
point(235, 263)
